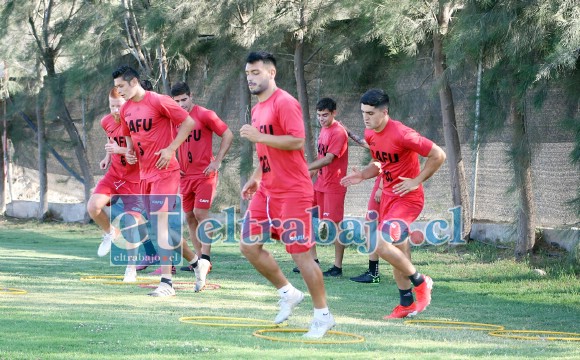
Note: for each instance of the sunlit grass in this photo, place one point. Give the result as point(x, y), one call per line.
point(63, 318)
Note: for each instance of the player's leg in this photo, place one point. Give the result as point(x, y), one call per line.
point(371, 275)
point(295, 210)
point(99, 199)
point(316, 214)
point(333, 210)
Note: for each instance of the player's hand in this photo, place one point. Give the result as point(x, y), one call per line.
point(352, 179)
point(213, 166)
point(113, 148)
point(405, 186)
point(131, 157)
point(313, 173)
point(104, 164)
point(165, 156)
point(378, 195)
point(249, 189)
point(251, 133)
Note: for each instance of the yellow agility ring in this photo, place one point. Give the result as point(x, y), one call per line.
point(116, 280)
point(11, 291)
point(466, 325)
point(224, 321)
point(355, 338)
point(539, 335)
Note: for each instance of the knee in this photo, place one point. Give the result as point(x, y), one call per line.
point(250, 252)
point(92, 208)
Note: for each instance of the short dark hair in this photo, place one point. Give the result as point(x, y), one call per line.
point(264, 56)
point(326, 104)
point(180, 88)
point(127, 72)
point(147, 85)
point(376, 98)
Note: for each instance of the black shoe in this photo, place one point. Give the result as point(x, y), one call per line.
point(333, 271)
point(297, 271)
point(367, 278)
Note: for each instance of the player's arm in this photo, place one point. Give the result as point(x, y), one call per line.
point(130, 155)
point(282, 142)
point(322, 162)
point(166, 154)
point(227, 139)
point(105, 162)
point(356, 176)
point(435, 159)
point(251, 186)
point(356, 138)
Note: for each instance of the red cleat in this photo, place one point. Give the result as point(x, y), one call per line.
point(423, 294)
point(401, 311)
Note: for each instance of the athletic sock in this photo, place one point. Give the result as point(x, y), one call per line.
point(206, 257)
point(316, 261)
point(286, 289)
point(193, 263)
point(417, 279)
point(321, 313)
point(374, 267)
point(167, 281)
point(149, 248)
point(406, 297)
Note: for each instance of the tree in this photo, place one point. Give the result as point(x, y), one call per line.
point(522, 44)
point(403, 28)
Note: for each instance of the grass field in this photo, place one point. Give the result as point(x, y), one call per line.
point(63, 318)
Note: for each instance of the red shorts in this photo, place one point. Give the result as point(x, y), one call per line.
point(331, 205)
point(163, 184)
point(285, 219)
point(400, 212)
point(110, 186)
point(198, 193)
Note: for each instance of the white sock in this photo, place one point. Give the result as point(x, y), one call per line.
point(321, 313)
point(286, 289)
point(193, 260)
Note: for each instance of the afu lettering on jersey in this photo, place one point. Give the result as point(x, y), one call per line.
point(138, 124)
point(322, 149)
point(195, 135)
point(265, 164)
point(267, 129)
point(385, 157)
point(120, 141)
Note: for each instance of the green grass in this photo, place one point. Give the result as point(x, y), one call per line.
point(64, 318)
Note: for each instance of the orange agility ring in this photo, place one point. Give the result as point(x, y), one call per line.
point(224, 321)
point(331, 337)
point(454, 325)
point(11, 291)
point(536, 335)
point(116, 280)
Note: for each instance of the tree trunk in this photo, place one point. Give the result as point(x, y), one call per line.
point(42, 168)
point(60, 109)
point(522, 163)
point(162, 58)
point(303, 98)
point(3, 165)
point(246, 150)
point(460, 194)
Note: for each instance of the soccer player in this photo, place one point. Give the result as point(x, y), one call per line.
point(331, 166)
point(281, 191)
point(148, 119)
point(121, 179)
point(199, 168)
point(395, 147)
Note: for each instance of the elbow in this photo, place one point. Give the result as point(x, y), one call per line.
point(297, 144)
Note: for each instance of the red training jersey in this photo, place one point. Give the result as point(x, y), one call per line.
point(284, 172)
point(149, 122)
point(195, 153)
point(119, 167)
point(397, 148)
point(333, 140)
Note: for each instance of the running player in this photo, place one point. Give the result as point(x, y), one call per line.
point(148, 119)
point(281, 192)
point(199, 168)
point(396, 148)
point(121, 179)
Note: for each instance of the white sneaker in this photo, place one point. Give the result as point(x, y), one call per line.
point(163, 290)
point(319, 327)
point(201, 273)
point(130, 275)
point(287, 302)
point(105, 246)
